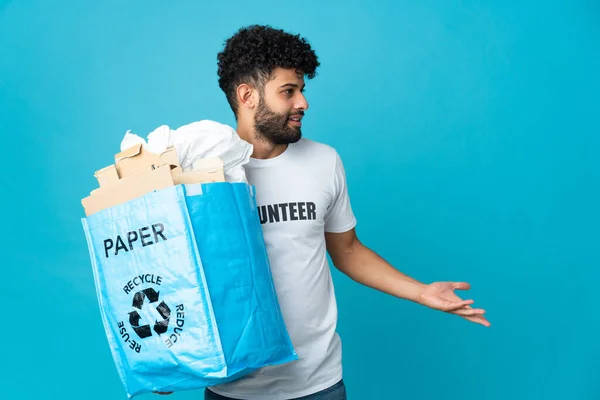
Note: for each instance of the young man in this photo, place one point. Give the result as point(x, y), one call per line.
point(305, 211)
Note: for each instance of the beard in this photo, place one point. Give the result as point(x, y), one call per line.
point(273, 127)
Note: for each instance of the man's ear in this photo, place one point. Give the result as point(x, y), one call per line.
point(247, 96)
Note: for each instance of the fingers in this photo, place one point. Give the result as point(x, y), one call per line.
point(472, 314)
point(468, 311)
point(452, 306)
point(461, 286)
point(479, 319)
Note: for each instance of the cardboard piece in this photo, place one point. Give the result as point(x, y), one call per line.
point(127, 189)
point(107, 176)
point(136, 159)
point(205, 170)
point(137, 172)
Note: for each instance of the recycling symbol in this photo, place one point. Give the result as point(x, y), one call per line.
point(160, 327)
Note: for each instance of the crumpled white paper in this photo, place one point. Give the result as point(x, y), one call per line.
point(200, 139)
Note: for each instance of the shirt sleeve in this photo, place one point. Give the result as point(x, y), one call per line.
point(339, 217)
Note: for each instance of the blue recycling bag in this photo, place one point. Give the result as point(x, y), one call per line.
point(185, 289)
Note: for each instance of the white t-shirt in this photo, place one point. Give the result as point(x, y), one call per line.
point(301, 194)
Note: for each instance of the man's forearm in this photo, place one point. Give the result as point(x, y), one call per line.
point(365, 266)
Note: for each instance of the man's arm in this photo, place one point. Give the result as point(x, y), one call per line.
point(365, 266)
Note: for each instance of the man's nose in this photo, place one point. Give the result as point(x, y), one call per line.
point(301, 103)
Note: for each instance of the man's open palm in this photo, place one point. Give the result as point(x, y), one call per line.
point(441, 296)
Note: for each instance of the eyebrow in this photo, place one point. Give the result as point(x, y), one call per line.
point(294, 85)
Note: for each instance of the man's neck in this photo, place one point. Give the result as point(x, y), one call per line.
point(263, 149)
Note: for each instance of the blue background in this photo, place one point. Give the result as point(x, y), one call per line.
point(469, 131)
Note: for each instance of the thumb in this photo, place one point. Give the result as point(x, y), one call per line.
point(461, 286)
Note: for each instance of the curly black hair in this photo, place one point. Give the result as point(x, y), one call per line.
point(253, 52)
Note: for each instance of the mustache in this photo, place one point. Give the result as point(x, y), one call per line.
point(299, 113)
